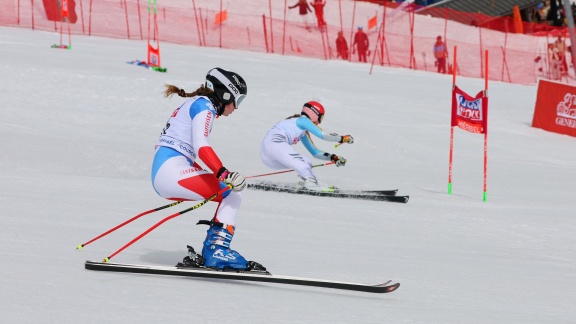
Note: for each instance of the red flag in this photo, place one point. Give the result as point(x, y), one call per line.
point(220, 17)
point(372, 22)
point(470, 113)
point(64, 8)
point(153, 56)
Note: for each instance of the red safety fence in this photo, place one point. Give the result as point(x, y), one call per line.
point(399, 37)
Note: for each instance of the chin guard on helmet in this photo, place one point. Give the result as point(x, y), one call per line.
point(228, 86)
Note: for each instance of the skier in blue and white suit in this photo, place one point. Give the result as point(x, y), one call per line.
point(184, 139)
point(276, 150)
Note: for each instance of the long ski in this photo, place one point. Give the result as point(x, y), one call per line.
point(385, 287)
point(274, 186)
point(379, 195)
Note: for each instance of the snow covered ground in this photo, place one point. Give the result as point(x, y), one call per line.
point(78, 129)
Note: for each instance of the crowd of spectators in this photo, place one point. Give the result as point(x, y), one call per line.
point(550, 12)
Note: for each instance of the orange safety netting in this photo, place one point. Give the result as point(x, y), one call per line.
point(401, 37)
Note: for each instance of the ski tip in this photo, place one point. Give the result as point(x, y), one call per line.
point(393, 287)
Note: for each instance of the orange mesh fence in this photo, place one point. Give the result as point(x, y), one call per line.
point(400, 38)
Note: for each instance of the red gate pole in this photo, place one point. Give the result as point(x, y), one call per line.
point(220, 25)
point(284, 27)
point(352, 31)
point(450, 160)
point(271, 28)
point(126, 15)
point(484, 197)
point(265, 34)
point(197, 23)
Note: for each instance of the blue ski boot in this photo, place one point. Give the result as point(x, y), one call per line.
point(217, 252)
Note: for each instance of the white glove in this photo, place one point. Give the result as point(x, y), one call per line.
point(338, 160)
point(235, 179)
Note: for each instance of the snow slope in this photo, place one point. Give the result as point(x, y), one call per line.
point(78, 129)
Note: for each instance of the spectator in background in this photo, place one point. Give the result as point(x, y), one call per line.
point(533, 14)
point(539, 17)
point(361, 42)
point(540, 13)
point(545, 9)
point(303, 9)
point(555, 62)
point(440, 53)
point(318, 6)
point(556, 13)
point(341, 46)
point(560, 45)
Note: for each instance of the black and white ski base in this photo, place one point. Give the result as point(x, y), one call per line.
point(260, 276)
point(379, 195)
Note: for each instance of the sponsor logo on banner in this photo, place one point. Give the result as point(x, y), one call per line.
point(469, 113)
point(566, 111)
point(555, 108)
point(469, 109)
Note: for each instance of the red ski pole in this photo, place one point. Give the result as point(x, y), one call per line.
point(80, 246)
point(167, 219)
point(267, 174)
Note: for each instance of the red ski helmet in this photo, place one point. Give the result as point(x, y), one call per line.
point(313, 110)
